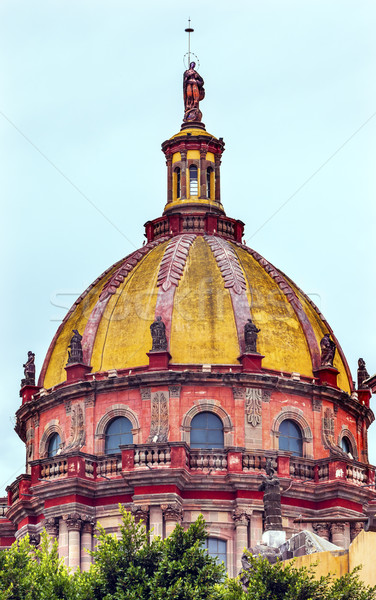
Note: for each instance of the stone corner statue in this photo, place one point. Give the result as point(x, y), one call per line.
point(272, 499)
point(193, 91)
point(75, 354)
point(158, 334)
point(250, 336)
point(29, 370)
point(328, 350)
point(362, 372)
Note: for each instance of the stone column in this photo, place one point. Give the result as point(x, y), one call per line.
point(51, 525)
point(63, 539)
point(241, 519)
point(355, 529)
point(169, 178)
point(203, 190)
point(322, 529)
point(86, 543)
point(217, 171)
point(183, 182)
point(74, 523)
point(156, 522)
point(173, 515)
point(338, 534)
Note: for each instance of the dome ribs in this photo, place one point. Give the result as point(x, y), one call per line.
point(293, 299)
point(173, 261)
point(228, 263)
point(126, 266)
point(231, 271)
point(170, 273)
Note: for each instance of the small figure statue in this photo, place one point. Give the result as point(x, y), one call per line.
point(362, 373)
point(193, 91)
point(272, 499)
point(158, 334)
point(75, 353)
point(29, 370)
point(328, 349)
point(250, 336)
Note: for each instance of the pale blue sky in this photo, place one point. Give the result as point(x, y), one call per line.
point(96, 87)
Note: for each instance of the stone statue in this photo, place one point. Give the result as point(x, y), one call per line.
point(29, 370)
point(272, 499)
point(193, 91)
point(158, 334)
point(250, 336)
point(75, 353)
point(362, 372)
point(328, 349)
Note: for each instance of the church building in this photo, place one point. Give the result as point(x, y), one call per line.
point(177, 375)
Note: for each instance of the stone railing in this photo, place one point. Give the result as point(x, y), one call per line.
point(214, 460)
point(152, 456)
point(302, 468)
point(356, 474)
point(253, 461)
point(109, 466)
point(54, 468)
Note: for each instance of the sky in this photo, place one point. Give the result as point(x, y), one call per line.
point(90, 89)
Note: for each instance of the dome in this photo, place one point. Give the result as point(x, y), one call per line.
point(205, 288)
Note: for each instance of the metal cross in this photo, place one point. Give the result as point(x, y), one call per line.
point(189, 30)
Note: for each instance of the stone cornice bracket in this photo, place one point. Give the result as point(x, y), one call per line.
point(172, 512)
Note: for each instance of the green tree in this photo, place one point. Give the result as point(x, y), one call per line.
point(286, 582)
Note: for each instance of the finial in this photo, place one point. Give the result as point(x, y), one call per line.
point(189, 30)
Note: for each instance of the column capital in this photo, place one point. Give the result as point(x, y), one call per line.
point(322, 529)
point(74, 522)
point(172, 512)
point(337, 528)
point(51, 525)
point(140, 512)
point(355, 529)
point(241, 516)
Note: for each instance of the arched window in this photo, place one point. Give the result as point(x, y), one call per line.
point(345, 445)
point(217, 548)
point(206, 431)
point(209, 182)
point(177, 183)
point(290, 437)
point(118, 432)
point(193, 180)
point(53, 445)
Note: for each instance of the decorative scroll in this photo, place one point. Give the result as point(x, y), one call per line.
point(159, 417)
point(328, 433)
point(253, 405)
point(77, 431)
point(228, 263)
point(173, 261)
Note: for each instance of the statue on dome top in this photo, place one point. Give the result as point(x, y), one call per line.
point(362, 373)
point(158, 334)
point(29, 370)
point(75, 354)
point(328, 350)
point(193, 91)
point(250, 336)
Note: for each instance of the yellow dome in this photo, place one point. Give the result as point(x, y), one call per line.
point(205, 288)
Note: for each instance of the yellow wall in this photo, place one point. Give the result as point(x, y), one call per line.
point(362, 552)
point(336, 563)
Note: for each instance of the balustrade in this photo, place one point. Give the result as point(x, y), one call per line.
point(257, 462)
point(208, 460)
point(109, 467)
point(54, 468)
point(152, 456)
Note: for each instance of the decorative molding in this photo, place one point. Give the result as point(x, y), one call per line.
point(345, 432)
point(316, 404)
point(253, 406)
point(238, 393)
point(172, 512)
point(52, 427)
point(35, 420)
point(51, 525)
point(174, 391)
point(68, 407)
point(90, 400)
point(159, 417)
point(74, 522)
point(322, 529)
point(228, 263)
point(174, 260)
point(266, 395)
point(355, 529)
point(241, 516)
point(118, 410)
point(145, 393)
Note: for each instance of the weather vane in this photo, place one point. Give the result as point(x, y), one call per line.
point(190, 30)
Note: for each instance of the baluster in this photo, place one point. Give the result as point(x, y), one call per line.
point(168, 455)
point(142, 458)
point(137, 458)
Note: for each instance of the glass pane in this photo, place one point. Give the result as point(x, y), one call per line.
point(119, 432)
point(217, 548)
point(193, 183)
point(54, 445)
point(206, 431)
point(345, 445)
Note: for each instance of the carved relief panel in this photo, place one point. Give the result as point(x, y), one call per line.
point(253, 417)
point(159, 417)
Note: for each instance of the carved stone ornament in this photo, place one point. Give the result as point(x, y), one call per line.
point(145, 393)
point(336, 528)
point(322, 529)
point(74, 521)
point(90, 400)
point(75, 354)
point(51, 525)
point(140, 512)
point(239, 393)
point(172, 512)
point(316, 404)
point(158, 334)
point(68, 407)
point(362, 372)
point(253, 406)
point(250, 336)
point(77, 430)
point(193, 93)
point(174, 260)
point(228, 263)
point(29, 370)
point(34, 539)
point(272, 499)
point(174, 391)
point(328, 349)
point(266, 395)
point(35, 420)
point(355, 529)
point(159, 417)
point(240, 516)
point(328, 434)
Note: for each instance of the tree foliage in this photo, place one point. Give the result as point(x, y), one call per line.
point(131, 567)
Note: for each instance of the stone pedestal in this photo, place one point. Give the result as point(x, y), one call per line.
point(27, 392)
point(274, 538)
point(327, 375)
point(251, 361)
point(158, 360)
point(76, 371)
